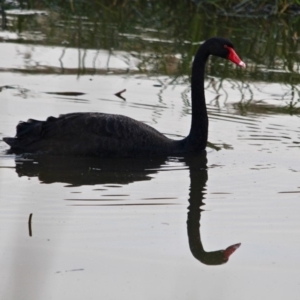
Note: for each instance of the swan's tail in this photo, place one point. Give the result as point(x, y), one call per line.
point(27, 132)
point(10, 141)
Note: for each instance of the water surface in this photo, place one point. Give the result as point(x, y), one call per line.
point(129, 228)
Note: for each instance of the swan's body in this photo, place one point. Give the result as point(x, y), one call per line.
point(98, 134)
point(94, 134)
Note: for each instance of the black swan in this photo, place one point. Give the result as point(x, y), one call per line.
point(99, 134)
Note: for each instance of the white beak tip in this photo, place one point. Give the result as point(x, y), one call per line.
point(242, 64)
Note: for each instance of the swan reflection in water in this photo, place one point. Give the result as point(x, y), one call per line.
point(198, 176)
point(91, 171)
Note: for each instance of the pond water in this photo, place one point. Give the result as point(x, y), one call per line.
point(83, 228)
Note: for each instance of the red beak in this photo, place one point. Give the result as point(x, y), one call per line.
point(228, 251)
point(234, 57)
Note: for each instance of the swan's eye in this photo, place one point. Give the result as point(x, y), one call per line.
point(232, 56)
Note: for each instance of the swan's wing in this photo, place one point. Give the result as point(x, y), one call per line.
point(84, 133)
point(108, 125)
point(98, 124)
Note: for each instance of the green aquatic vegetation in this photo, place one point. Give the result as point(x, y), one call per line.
point(164, 36)
point(239, 8)
point(257, 107)
point(167, 39)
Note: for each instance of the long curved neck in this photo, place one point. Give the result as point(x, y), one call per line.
point(197, 137)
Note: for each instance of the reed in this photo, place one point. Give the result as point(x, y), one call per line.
point(223, 7)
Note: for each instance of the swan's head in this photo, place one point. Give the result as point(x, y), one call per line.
point(224, 48)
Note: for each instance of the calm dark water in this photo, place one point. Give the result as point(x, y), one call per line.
point(152, 228)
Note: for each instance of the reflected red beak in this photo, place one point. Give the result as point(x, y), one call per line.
point(228, 251)
point(234, 57)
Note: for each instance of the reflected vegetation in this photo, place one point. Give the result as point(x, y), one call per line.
point(92, 171)
point(161, 39)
